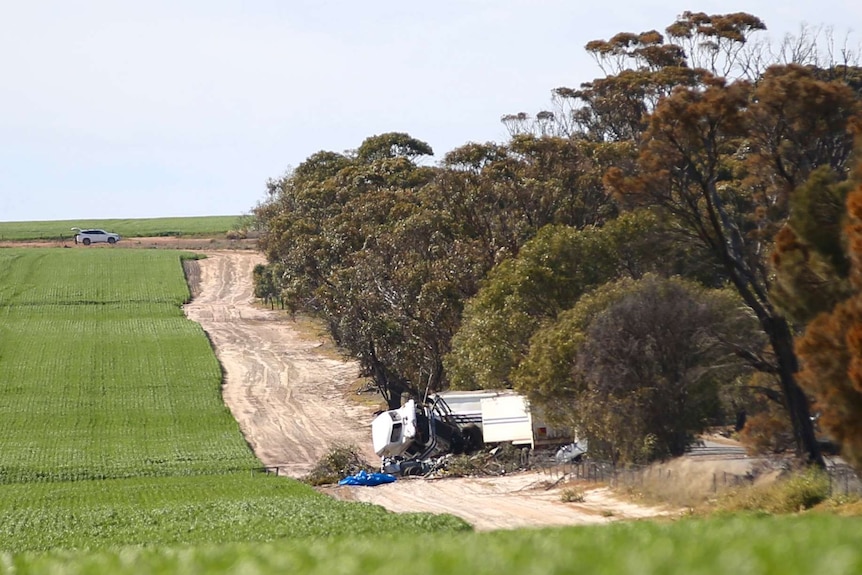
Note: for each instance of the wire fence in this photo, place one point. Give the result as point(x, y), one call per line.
point(843, 480)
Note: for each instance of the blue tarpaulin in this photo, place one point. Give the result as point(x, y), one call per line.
point(369, 479)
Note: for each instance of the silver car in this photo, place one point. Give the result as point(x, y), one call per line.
point(95, 236)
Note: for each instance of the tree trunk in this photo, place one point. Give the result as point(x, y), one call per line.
point(781, 339)
point(390, 386)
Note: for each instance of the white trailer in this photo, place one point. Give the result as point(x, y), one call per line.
point(461, 422)
point(504, 417)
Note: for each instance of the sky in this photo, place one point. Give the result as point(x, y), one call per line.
point(120, 109)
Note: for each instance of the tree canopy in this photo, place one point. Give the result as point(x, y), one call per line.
point(818, 262)
point(702, 159)
point(387, 251)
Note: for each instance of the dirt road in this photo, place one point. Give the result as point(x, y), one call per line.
point(290, 401)
point(287, 397)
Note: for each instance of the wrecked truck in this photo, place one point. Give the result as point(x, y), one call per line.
point(455, 422)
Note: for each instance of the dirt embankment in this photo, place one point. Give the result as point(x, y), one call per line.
point(290, 400)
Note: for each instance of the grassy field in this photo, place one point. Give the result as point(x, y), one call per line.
point(823, 545)
point(103, 376)
point(112, 427)
point(61, 229)
point(208, 509)
point(117, 455)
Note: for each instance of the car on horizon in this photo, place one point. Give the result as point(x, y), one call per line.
point(95, 236)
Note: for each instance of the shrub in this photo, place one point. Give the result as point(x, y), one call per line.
point(801, 490)
point(766, 433)
point(339, 462)
point(571, 495)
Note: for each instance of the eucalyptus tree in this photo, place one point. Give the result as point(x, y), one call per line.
point(720, 129)
point(723, 158)
point(328, 228)
point(550, 273)
point(817, 263)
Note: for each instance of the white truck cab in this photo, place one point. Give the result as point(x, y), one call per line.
point(458, 422)
point(393, 431)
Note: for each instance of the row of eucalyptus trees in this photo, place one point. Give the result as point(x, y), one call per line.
point(613, 259)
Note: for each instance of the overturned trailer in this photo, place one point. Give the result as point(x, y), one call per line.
point(456, 422)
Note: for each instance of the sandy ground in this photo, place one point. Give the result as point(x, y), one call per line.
point(288, 398)
point(506, 502)
point(291, 402)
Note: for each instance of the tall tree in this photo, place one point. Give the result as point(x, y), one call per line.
point(548, 276)
point(686, 166)
point(818, 262)
point(723, 156)
point(637, 365)
point(831, 353)
point(330, 229)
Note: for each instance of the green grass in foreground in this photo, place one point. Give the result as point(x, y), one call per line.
point(127, 228)
point(211, 509)
point(825, 545)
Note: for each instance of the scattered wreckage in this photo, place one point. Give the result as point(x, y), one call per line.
point(419, 437)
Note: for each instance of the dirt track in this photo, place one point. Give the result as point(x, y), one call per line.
point(291, 403)
point(282, 393)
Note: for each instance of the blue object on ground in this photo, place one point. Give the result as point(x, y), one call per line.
point(368, 479)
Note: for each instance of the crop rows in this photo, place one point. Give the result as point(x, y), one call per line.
point(101, 376)
point(112, 426)
point(171, 510)
point(49, 277)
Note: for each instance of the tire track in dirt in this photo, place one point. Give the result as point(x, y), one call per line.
point(289, 400)
point(291, 405)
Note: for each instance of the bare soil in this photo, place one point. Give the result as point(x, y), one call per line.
point(291, 397)
point(288, 396)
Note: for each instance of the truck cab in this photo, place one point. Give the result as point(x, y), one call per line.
point(458, 422)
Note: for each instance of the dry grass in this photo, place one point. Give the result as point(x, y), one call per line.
point(770, 488)
point(691, 482)
point(842, 505)
point(572, 495)
point(339, 462)
point(796, 491)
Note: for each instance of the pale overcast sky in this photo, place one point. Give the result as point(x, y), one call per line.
point(119, 109)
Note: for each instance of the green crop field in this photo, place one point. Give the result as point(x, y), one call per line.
point(117, 455)
point(62, 229)
point(112, 427)
point(742, 545)
point(102, 374)
point(237, 507)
